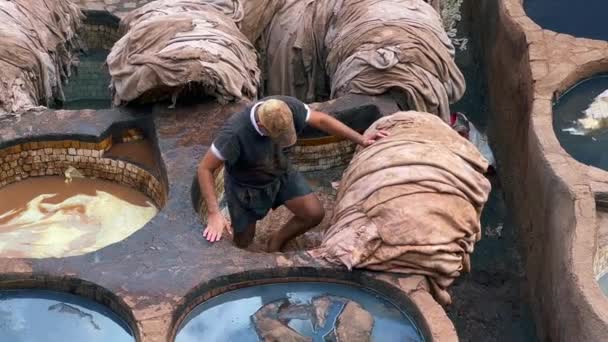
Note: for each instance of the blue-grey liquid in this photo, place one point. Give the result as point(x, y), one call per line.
point(227, 317)
point(589, 149)
point(604, 283)
point(47, 316)
point(585, 19)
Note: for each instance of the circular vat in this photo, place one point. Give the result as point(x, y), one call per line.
point(603, 282)
point(580, 19)
point(41, 315)
point(87, 87)
point(580, 121)
point(299, 311)
point(70, 198)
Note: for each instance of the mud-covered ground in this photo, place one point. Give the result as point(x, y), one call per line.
point(490, 303)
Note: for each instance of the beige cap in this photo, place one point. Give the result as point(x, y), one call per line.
point(277, 119)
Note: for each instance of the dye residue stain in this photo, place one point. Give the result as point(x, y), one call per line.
point(47, 217)
point(37, 315)
point(590, 148)
point(283, 311)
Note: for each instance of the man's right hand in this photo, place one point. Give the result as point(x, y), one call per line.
point(216, 223)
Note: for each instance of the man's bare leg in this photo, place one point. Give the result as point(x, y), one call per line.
point(308, 211)
point(244, 239)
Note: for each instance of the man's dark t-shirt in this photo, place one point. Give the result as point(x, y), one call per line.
point(252, 159)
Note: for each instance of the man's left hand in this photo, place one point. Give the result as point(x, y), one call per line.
point(377, 135)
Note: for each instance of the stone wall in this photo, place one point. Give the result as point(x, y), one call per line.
point(91, 79)
point(601, 257)
point(321, 153)
point(98, 35)
point(53, 158)
point(550, 194)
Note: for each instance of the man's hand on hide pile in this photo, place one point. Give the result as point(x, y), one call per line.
point(375, 136)
point(216, 223)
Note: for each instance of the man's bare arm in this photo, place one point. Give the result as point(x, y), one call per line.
point(215, 221)
point(333, 126)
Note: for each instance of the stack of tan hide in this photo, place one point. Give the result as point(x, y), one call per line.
point(39, 47)
point(410, 203)
point(312, 50)
point(328, 48)
point(171, 47)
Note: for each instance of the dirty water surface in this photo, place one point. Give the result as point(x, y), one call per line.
point(139, 152)
point(585, 19)
point(39, 315)
point(319, 311)
point(589, 148)
point(49, 217)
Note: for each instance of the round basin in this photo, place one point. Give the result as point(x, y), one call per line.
point(50, 217)
point(294, 311)
point(587, 146)
point(39, 315)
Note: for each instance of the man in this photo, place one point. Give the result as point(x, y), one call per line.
point(259, 176)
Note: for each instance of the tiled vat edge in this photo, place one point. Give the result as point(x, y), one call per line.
point(552, 195)
point(100, 29)
point(53, 158)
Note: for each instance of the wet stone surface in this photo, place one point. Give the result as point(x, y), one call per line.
point(588, 148)
point(319, 312)
point(36, 315)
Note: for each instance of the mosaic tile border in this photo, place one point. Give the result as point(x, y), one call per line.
point(53, 158)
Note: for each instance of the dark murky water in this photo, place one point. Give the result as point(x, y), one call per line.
point(88, 104)
point(39, 315)
point(88, 86)
point(591, 149)
point(228, 317)
point(579, 18)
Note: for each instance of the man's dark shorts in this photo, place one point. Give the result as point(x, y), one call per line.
point(247, 205)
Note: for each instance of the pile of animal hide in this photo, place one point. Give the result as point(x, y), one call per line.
point(410, 203)
point(172, 47)
point(312, 50)
point(329, 48)
point(38, 50)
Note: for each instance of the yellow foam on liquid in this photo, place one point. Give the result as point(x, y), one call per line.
point(74, 219)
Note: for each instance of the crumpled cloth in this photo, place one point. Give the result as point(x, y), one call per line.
point(328, 48)
point(172, 47)
point(231, 8)
point(410, 203)
point(397, 45)
point(39, 48)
